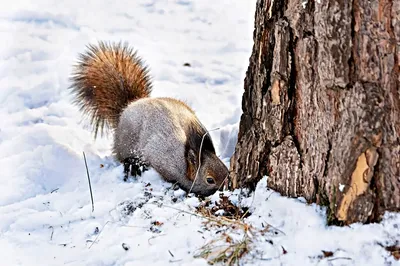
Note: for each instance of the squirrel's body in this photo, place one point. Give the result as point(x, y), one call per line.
point(157, 129)
point(112, 87)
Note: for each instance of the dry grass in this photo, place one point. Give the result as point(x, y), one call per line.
point(236, 237)
point(228, 253)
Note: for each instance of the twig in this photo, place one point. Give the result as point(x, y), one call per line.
point(98, 235)
point(268, 259)
point(190, 213)
point(172, 261)
point(148, 240)
point(171, 187)
point(54, 190)
point(340, 258)
point(198, 168)
point(90, 186)
point(171, 253)
point(273, 227)
point(244, 214)
point(52, 232)
point(65, 263)
point(269, 196)
point(134, 226)
point(223, 182)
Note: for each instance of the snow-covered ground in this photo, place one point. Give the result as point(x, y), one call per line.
point(45, 208)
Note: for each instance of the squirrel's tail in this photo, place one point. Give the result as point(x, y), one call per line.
point(107, 77)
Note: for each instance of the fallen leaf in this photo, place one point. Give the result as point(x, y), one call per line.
point(327, 254)
point(158, 223)
point(284, 250)
point(125, 246)
point(394, 251)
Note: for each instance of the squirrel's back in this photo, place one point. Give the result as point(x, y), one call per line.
point(149, 121)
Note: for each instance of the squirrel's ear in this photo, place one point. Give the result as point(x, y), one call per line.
point(191, 162)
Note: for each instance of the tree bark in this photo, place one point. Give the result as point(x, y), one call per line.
point(321, 106)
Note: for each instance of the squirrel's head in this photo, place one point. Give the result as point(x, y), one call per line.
point(208, 176)
point(205, 170)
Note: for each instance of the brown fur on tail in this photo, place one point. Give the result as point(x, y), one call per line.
point(107, 77)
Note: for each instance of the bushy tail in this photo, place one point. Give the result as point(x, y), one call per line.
point(107, 77)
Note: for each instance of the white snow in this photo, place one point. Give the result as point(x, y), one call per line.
point(45, 206)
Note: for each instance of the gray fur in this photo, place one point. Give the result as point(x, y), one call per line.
point(157, 129)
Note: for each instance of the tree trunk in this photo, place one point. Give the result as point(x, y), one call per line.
point(321, 107)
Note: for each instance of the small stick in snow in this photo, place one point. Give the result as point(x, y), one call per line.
point(135, 226)
point(54, 190)
point(340, 258)
point(98, 235)
point(190, 213)
point(223, 182)
point(52, 232)
point(273, 227)
point(269, 196)
point(171, 253)
point(90, 186)
point(125, 246)
point(148, 240)
point(269, 259)
point(172, 261)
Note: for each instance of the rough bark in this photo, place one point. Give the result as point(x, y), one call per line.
point(321, 107)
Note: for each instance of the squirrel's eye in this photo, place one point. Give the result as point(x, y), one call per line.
point(210, 180)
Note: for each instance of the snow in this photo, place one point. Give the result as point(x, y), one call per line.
point(45, 206)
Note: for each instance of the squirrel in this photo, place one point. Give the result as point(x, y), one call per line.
point(111, 86)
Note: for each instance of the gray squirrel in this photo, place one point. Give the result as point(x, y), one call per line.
point(111, 86)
